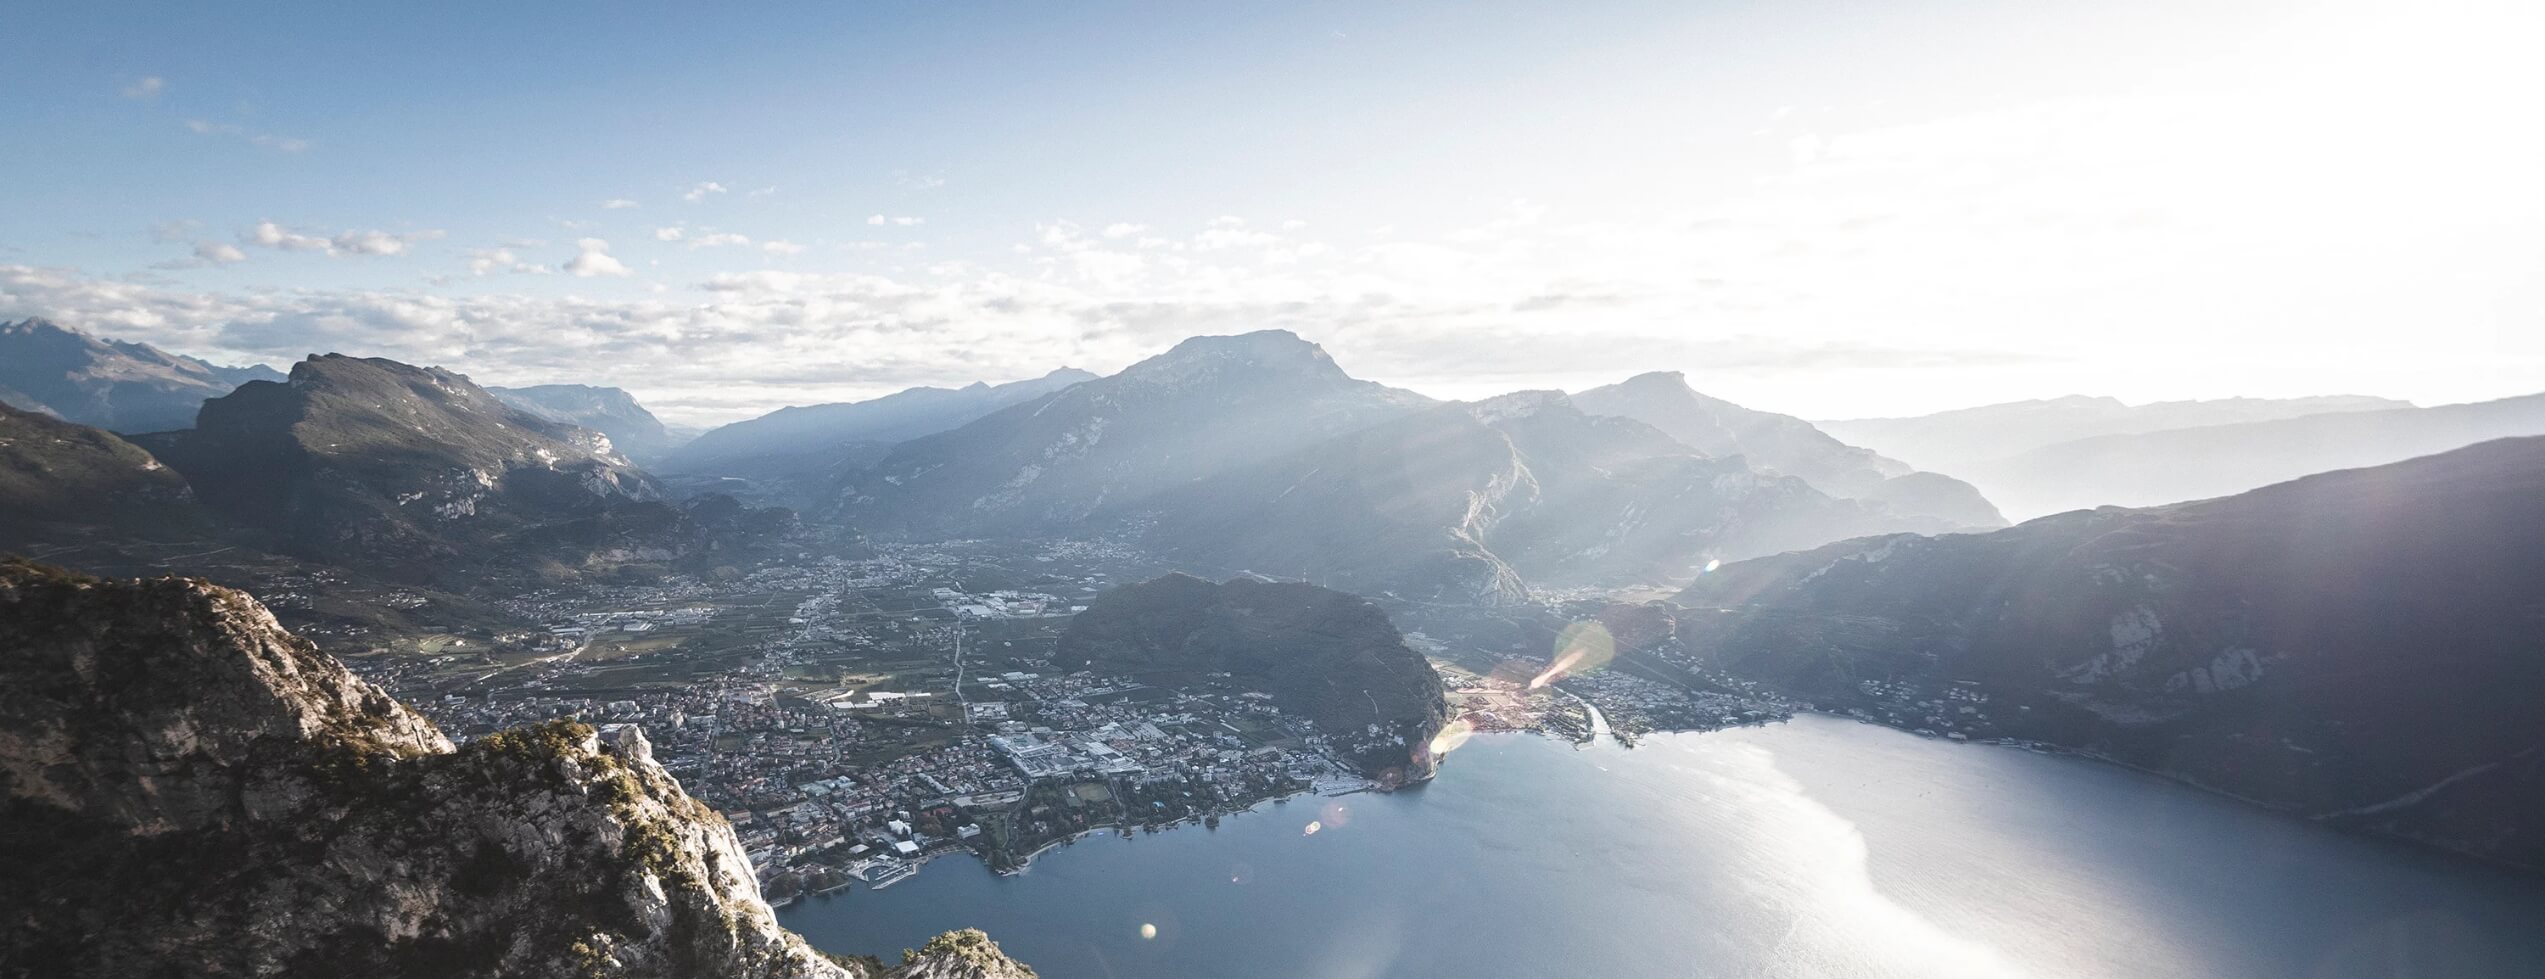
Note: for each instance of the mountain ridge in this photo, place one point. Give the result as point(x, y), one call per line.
point(117, 385)
point(1047, 464)
point(613, 412)
point(2358, 645)
point(799, 454)
point(1789, 445)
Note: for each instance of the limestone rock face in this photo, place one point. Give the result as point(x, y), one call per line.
point(187, 789)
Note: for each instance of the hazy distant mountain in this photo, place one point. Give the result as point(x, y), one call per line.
point(1467, 502)
point(53, 472)
point(633, 431)
point(409, 470)
point(1324, 655)
point(1953, 441)
point(203, 793)
point(2196, 463)
point(1204, 407)
point(1788, 445)
point(797, 453)
point(2366, 645)
point(109, 384)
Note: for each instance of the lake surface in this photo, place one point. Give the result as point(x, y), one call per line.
point(1819, 847)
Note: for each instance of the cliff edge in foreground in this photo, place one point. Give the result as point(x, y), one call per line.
point(188, 789)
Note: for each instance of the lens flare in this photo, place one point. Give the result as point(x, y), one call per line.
point(1148, 930)
point(1452, 735)
point(1313, 827)
point(1713, 564)
point(1582, 647)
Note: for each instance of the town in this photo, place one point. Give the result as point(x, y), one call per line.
point(857, 717)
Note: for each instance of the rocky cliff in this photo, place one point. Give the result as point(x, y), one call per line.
point(609, 411)
point(187, 789)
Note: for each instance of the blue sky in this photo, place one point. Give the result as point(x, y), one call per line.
point(1829, 208)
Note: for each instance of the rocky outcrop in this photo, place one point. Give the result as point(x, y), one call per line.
point(2365, 646)
point(609, 411)
point(416, 474)
point(1322, 654)
point(187, 789)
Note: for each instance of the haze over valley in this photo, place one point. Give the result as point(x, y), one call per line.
point(1636, 489)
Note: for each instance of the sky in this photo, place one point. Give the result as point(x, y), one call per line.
point(1832, 208)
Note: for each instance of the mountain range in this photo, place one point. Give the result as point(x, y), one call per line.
point(1785, 444)
point(2195, 463)
point(1966, 437)
point(2361, 646)
point(1045, 465)
point(111, 384)
point(2040, 457)
point(1257, 452)
point(799, 455)
point(414, 473)
point(1476, 502)
point(203, 793)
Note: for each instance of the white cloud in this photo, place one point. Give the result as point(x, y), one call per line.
point(219, 253)
point(146, 88)
point(781, 247)
point(918, 181)
point(286, 144)
point(592, 258)
point(901, 221)
point(702, 191)
point(267, 234)
point(487, 261)
point(668, 234)
point(1124, 229)
point(617, 204)
point(719, 239)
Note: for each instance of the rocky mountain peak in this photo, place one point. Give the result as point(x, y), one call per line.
point(1520, 404)
point(1266, 353)
point(206, 794)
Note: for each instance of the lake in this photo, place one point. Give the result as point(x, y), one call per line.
point(1819, 847)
